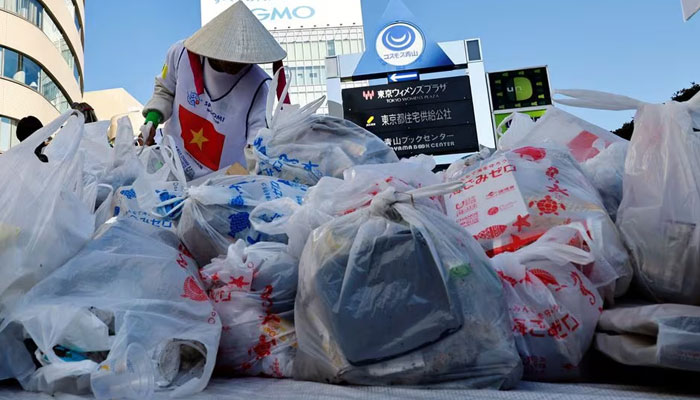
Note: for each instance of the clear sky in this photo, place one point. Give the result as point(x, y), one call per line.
point(639, 48)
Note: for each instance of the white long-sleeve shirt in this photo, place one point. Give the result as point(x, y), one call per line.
point(228, 106)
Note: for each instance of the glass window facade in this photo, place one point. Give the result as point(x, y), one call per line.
point(10, 64)
point(8, 127)
point(73, 10)
point(18, 67)
point(307, 50)
point(34, 12)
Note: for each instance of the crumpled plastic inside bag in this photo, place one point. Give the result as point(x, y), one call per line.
point(132, 284)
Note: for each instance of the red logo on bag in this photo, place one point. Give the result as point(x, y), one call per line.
point(491, 232)
point(548, 205)
point(531, 153)
point(493, 210)
point(522, 222)
point(545, 277)
point(193, 291)
point(201, 139)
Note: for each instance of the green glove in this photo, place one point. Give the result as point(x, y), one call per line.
point(154, 116)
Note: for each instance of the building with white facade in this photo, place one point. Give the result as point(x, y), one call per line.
point(41, 61)
point(310, 31)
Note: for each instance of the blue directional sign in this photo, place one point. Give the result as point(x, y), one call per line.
point(403, 77)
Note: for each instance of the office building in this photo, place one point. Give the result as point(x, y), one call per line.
point(41, 61)
point(310, 31)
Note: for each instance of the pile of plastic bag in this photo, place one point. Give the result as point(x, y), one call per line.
point(336, 262)
point(657, 220)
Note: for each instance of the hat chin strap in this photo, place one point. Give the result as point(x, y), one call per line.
point(276, 66)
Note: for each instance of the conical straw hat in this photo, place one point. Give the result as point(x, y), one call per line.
point(236, 35)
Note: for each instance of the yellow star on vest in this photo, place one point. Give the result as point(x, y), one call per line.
point(198, 138)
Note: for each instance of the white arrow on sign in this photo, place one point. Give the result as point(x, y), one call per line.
point(408, 76)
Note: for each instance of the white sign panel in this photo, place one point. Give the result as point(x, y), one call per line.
point(292, 14)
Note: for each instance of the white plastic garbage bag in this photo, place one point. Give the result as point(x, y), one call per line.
point(43, 220)
point(132, 284)
point(332, 197)
point(600, 152)
point(554, 308)
point(125, 204)
point(660, 210)
point(253, 289)
point(511, 199)
point(414, 282)
point(583, 139)
point(302, 147)
point(217, 213)
point(662, 335)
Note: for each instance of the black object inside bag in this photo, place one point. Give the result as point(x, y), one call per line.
point(387, 298)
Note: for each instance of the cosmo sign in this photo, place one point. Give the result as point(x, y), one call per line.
point(292, 14)
point(400, 44)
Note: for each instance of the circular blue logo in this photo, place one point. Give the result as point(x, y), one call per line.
point(399, 37)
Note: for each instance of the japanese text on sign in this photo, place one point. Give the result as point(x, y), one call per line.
point(417, 117)
point(434, 89)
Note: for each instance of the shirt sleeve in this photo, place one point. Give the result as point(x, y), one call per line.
point(257, 116)
point(166, 83)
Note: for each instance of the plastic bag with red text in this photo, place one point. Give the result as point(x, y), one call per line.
point(511, 199)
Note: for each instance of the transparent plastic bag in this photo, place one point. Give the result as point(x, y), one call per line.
point(131, 284)
point(44, 218)
point(605, 172)
point(600, 152)
point(554, 308)
point(253, 289)
point(660, 209)
point(582, 139)
point(659, 215)
point(411, 279)
point(217, 213)
point(658, 335)
point(303, 147)
point(511, 199)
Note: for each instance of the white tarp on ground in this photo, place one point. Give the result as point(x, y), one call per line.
point(255, 388)
point(690, 7)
